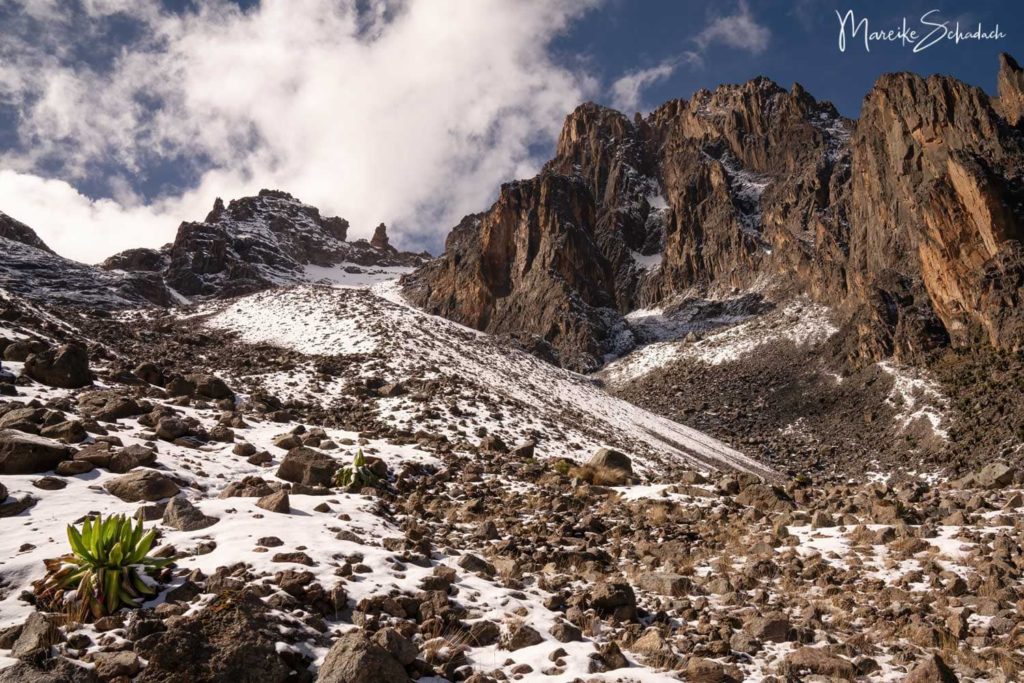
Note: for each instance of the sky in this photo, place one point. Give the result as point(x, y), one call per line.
point(121, 118)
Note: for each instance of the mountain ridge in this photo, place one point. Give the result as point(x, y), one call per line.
point(252, 243)
point(758, 183)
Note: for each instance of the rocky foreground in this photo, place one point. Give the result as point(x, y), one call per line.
point(503, 542)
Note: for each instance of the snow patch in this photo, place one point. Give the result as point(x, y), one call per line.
point(915, 396)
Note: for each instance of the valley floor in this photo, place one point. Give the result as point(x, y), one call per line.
point(490, 554)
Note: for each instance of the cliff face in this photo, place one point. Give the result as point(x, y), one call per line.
point(907, 221)
point(935, 206)
point(530, 264)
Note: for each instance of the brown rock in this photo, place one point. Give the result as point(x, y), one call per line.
point(147, 485)
point(275, 502)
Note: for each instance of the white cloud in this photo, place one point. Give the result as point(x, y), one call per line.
point(411, 113)
point(739, 30)
point(627, 91)
point(75, 225)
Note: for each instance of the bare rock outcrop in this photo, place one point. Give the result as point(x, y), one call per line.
point(907, 222)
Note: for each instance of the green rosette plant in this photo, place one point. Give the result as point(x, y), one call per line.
point(107, 569)
point(356, 474)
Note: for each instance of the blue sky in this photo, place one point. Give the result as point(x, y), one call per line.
point(802, 46)
point(120, 118)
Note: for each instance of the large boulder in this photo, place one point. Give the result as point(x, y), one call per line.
point(354, 658)
point(995, 475)
point(304, 465)
point(612, 459)
point(210, 386)
point(148, 485)
point(127, 459)
point(22, 453)
point(766, 498)
point(66, 367)
point(232, 641)
point(108, 406)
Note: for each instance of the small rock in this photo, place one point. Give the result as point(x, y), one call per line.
point(275, 502)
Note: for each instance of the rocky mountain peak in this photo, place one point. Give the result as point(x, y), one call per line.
point(268, 239)
point(907, 221)
point(243, 246)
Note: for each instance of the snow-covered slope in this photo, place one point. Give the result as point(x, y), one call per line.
point(452, 380)
point(717, 339)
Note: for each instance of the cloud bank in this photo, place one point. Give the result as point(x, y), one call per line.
point(410, 113)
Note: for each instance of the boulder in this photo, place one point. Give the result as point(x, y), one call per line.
point(995, 475)
point(22, 453)
point(612, 459)
point(58, 670)
point(304, 465)
point(354, 658)
point(130, 457)
point(19, 351)
point(665, 583)
point(147, 485)
point(818, 661)
point(766, 498)
point(931, 669)
point(182, 515)
point(210, 386)
point(66, 367)
point(275, 502)
point(38, 635)
point(171, 428)
point(233, 641)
